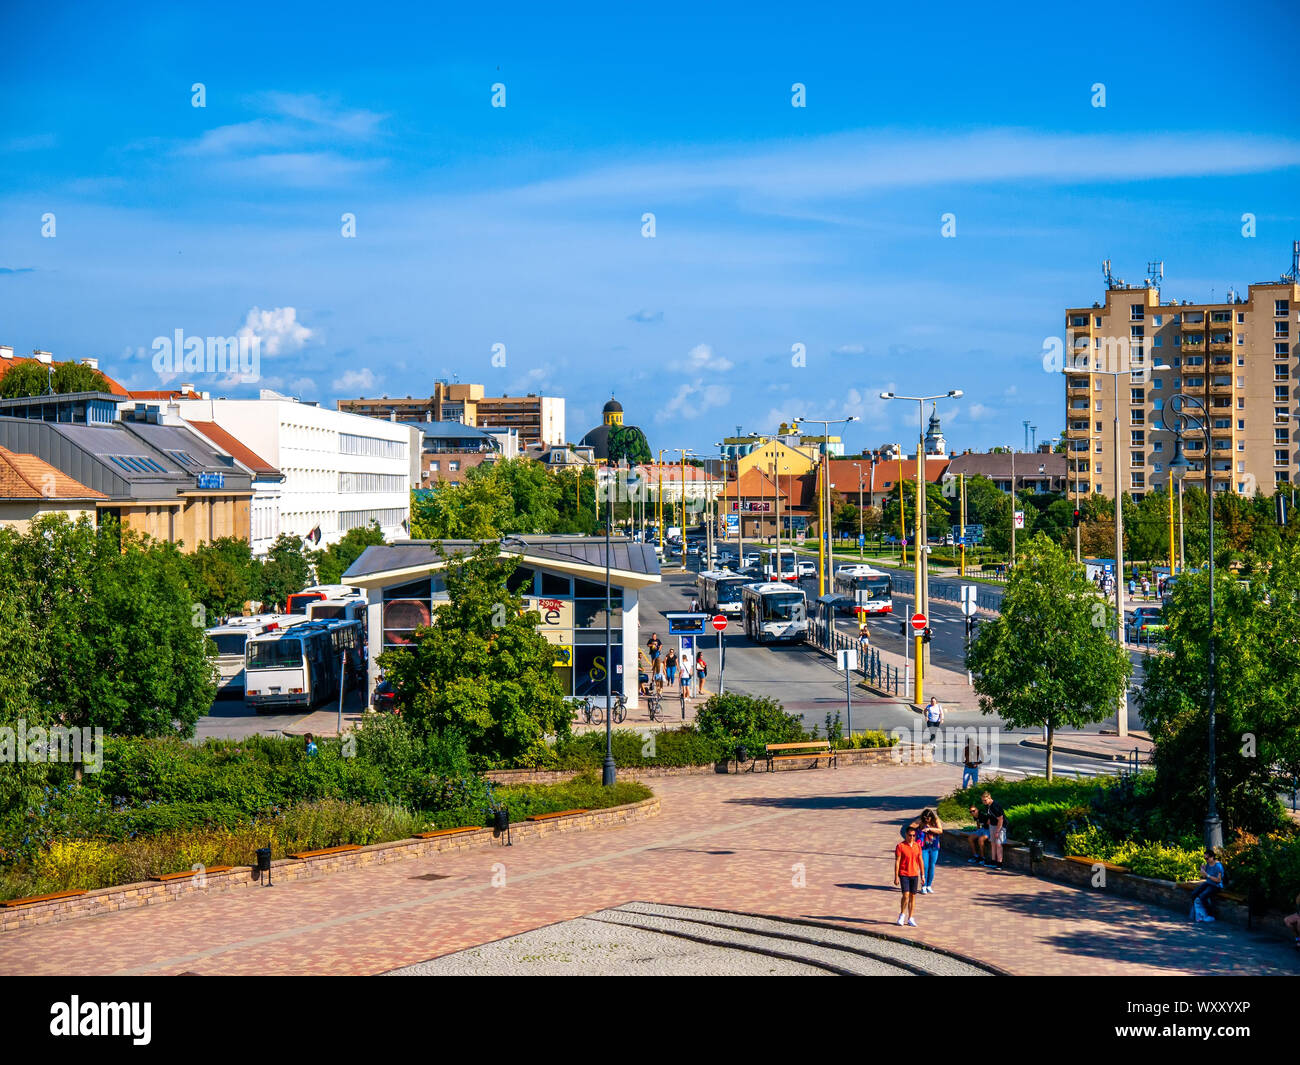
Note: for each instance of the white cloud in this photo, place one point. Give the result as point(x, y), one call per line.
point(978, 411)
point(692, 399)
point(355, 382)
point(849, 349)
point(279, 330)
point(701, 357)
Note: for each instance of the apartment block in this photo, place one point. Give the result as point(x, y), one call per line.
point(539, 420)
point(1128, 356)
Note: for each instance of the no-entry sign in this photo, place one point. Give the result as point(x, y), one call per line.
point(719, 622)
point(919, 621)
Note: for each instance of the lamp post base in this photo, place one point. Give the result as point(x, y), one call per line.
point(1213, 832)
point(607, 778)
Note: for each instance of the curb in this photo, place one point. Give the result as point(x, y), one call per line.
point(1144, 757)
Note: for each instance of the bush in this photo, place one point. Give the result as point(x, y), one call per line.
point(1019, 792)
point(1045, 820)
point(1270, 864)
point(523, 801)
point(864, 740)
point(746, 720)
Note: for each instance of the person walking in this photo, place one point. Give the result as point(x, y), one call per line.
point(929, 828)
point(997, 823)
point(933, 718)
point(309, 745)
point(670, 666)
point(686, 678)
point(907, 874)
point(972, 758)
point(701, 673)
point(654, 647)
point(1212, 874)
point(659, 676)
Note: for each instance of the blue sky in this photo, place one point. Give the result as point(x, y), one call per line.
point(522, 225)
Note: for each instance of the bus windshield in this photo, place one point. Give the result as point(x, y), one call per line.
point(782, 607)
point(877, 587)
point(229, 643)
point(274, 654)
point(327, 613)
point(729, 591)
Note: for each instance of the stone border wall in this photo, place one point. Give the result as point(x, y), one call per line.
point(902, 754)
point(286, 870)
point(1080, 872)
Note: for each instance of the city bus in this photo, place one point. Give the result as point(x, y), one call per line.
point(869, 588)
point(768, 560)
point(774, 612)
point(719, 591)
point(297, 667)
point(299, 601)
point(352, 608)
point(230, 641)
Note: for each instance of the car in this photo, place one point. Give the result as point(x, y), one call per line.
point(1143, 623)
point(806, 569)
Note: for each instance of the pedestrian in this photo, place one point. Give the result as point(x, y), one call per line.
point(659, 676)
point(978, 837)
point(686, 677)
point(1212, 884)
point(933, 717)
point(929, 828)
point(701, 673)
point(1146, 588)
point(642, 673)
point(1132, 587)
point(654, 647)
point(1292, 921)
point(972, 759)
point(907, 874)
point(670, 666)
point(997, 825)
point(309, 745)
point(695, 606)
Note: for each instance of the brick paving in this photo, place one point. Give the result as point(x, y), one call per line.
point(736, 842)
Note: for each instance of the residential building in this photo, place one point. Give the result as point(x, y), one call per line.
point(449, 450)
point(341, 471)
point(874, 476)
point(31, 488)
point(561, 577)
point(1238, 357)
point(760, 501)
point(538, 420)
point(1035, 471)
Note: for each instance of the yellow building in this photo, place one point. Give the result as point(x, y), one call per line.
point(773, 454)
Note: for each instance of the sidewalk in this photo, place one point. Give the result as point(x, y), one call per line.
point(814, 845)
point(1098, 745)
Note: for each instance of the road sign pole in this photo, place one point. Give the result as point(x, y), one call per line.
point(848, 699)
point(722, 672)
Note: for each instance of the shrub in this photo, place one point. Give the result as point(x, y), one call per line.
point(1162, 861)
point(747, 720)
point(1269, 863)
point(864, 740)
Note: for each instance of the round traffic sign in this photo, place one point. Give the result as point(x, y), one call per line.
point(719, 622)
point(919, 621)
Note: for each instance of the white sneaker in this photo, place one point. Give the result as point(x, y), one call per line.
point(912, 921)
point(901, 919)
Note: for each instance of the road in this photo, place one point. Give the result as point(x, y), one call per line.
point(806, 682)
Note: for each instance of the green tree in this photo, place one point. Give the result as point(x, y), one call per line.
point(223, 575)
point(627, 442)
point(482, 671)
point(1049, 657)
point(938, 520)
point(534, 495)
point(479, 509)
point(1257, 692)
point(333, 561)
point(35, 379)
point(285, 570)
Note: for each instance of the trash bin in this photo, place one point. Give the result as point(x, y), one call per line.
point(1035, 850)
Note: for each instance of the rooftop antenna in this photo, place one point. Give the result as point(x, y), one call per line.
point(1155, 273)
point(1105, 272)
point(1294, 275)
point(1026, 434)
point(1033, 438)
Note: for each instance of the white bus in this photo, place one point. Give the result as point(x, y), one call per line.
point(298, 667)
point(774, 612)
point(788, 570)
point(299, 601)
point(719, 591)
point(352, 608)
point(869, 588)
point(229, 643)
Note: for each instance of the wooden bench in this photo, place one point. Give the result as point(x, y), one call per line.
point(166, 877)
point(814, 749)
point(327, 850)
point(558, 813)
point(41, 898)
point(449, 831)
point(1224, 896)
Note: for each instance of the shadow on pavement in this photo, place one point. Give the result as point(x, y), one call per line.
point(834, 802)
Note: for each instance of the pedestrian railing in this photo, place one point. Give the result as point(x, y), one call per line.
point(871, 668)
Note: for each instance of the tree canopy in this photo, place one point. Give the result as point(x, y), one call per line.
point(35, 379)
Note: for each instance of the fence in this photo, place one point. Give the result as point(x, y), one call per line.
point(949, 591)
point(879, 675)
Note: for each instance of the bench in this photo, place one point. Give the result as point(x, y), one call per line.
point(327, 850)
point(41, 898)
point(1222, 896)
point(813, 749)
point(449, 831)
point(167, 877)
point(558, 813)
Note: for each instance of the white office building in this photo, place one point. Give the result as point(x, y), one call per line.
point(341, 471)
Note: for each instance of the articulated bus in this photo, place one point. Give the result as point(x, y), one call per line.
point(767, 559)
point(774, 612)
point(871, 589)
point(719, 591)
point(298, 667)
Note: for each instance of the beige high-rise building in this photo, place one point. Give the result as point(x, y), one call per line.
point(539, 420)
point(1238, 357)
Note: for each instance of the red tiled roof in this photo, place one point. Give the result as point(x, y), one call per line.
point(844, 477)
point(796, 490)
point(231, 446)
point(8, 364)
point(25, 476)
point(164, 393)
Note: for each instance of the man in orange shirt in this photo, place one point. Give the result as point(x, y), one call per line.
point(907, 873)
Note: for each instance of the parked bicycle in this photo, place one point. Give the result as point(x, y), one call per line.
point(655, 704)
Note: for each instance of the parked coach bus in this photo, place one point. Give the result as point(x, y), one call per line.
point(774, 612)
point(298, 667)
point(719, 591)
point(229, 643)
point(871, 589)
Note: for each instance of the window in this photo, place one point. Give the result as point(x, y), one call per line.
point(453, 466)
point(359, 519)
point(1281, 373)
point(1137, 417)
point(1097, 320)
point(1138, 438)
point(1136, 312)
point(434, 466)
point(1099, 429)
point(1158, 446)
point(1279, 458)
point(1280, 351)
point(1281, 308)
point(1139, 480)
point(1279, 414)
point(371, 446)
point(1098, 448)
point(1158, 382)
point(1159, 342)
point(1079, 321)
point(1279, 394)
point(1136, 458)
point(1241, 317)
point(1137, 395)
point(372, 482)
point(1158, 319)
point(1281, 329)
point(1241, 466)
point(1157, 468)
point(1281, 436)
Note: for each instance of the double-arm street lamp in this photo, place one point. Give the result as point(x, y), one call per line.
point(1188, 421)
point(922, 595)
point(825, 543)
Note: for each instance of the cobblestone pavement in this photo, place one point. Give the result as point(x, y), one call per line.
point(813, 845)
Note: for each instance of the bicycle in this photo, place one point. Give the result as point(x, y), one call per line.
point(620, 709)
point(655, 704)
point(682, 696)
point(590, 713)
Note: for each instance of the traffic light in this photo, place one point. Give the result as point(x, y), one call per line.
point(902, 628)
point(1078, 518)
point(927, 634)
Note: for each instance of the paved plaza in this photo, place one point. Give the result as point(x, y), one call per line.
point(811, 845)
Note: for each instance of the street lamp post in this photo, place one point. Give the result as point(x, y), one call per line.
point(1200, 423)
point(921, 600)
point(858, 467)
point(608, 776)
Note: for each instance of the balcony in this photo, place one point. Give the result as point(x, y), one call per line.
point(1076, 434)
point(1195, 341)
point(1223, 432)
point(1193, 322)
point(1220, 342)
point(1221, 387)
